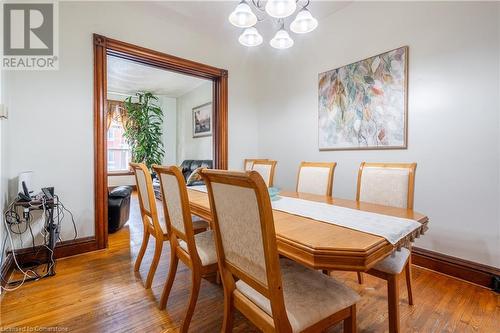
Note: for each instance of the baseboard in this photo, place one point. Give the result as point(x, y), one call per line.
point(6, 269)
point(459, 268)
point(63, 249)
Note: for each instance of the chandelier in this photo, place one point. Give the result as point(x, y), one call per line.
point(243, 17)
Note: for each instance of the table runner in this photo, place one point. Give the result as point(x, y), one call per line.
point(397, 231)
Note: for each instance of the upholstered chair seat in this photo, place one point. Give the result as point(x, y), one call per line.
point(309, 295)
point(389, 184)
point(205, 245)
point(276, 295)
point(394, 263)
point(196, 249)
point(153, 225)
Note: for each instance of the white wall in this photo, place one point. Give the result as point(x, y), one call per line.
point(189, 148)
point(453, 111)
point(169, 107)
point(3, 180)
point(498, 11)
point(51, 113)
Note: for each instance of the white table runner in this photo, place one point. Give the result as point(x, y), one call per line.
point(393, 229)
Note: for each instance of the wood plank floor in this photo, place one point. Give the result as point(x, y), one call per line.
point(99, 292)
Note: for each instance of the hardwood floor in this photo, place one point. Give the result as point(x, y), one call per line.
point(99, 292)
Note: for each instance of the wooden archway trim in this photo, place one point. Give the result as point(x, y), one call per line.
point(103, 47)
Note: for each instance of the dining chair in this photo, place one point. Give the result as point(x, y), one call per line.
point(316, 178)
point(248, 163)
point(389, 184)
point(266, 170)
point(153, 226)
point(150, 220)
point(197, 251)
point(276, 295)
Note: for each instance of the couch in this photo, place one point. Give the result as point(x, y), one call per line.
point(187, 167)
point(118, 207)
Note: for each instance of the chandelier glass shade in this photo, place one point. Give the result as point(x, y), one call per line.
point(304, 22)
point(250, 37)
point(281, 40)
point(242, 16)
point(280, 8)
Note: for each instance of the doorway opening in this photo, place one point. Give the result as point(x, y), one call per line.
point(197, 100)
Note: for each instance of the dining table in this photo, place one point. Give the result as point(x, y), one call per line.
point(327, 246)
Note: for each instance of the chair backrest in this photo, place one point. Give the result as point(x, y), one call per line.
point(244, 233)
point(176, 205)
point(248, 163)
point(266, 170)
point(389, 184)
point(147, 200)
point(316, 177)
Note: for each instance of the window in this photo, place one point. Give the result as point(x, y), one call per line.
point(111, 134)
point(119, 154)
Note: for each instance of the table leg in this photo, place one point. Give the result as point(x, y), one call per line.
point(393, 300)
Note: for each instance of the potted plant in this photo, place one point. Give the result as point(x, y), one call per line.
point(143, 129)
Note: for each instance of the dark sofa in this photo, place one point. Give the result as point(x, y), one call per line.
point(187, 168)
point(118, 207)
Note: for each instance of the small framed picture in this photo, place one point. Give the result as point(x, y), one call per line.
point(202, 120)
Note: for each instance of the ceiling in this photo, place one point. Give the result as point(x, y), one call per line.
point(128, 77)
point(212, 16)
point(211, 19)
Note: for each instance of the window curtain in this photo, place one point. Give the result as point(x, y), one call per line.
point(116, 111)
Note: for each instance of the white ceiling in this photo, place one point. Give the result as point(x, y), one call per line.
point(128, 77)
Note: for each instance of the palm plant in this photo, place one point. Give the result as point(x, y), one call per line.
point(143, 129)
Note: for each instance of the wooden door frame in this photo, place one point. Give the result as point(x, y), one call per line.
point(104, 46)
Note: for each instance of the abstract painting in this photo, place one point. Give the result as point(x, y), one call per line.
point(364, 105)
point(202, 120)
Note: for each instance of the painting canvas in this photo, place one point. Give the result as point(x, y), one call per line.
point(202, 120)
point(364, 105)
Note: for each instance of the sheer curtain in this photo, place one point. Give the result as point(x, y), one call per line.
point(116, 111)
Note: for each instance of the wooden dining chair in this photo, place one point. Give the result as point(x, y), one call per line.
point(197, 251)
point(316, 178)
point(153, 226)
point(150, 220)
point(389, 184)
point(248, 163)
point(266, 170)
point(276, 295)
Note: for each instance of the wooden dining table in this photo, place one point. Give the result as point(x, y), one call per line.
point(324, 246)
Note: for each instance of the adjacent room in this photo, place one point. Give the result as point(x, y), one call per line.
point(174, 109)
point(250, 166)
point(154, 116)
